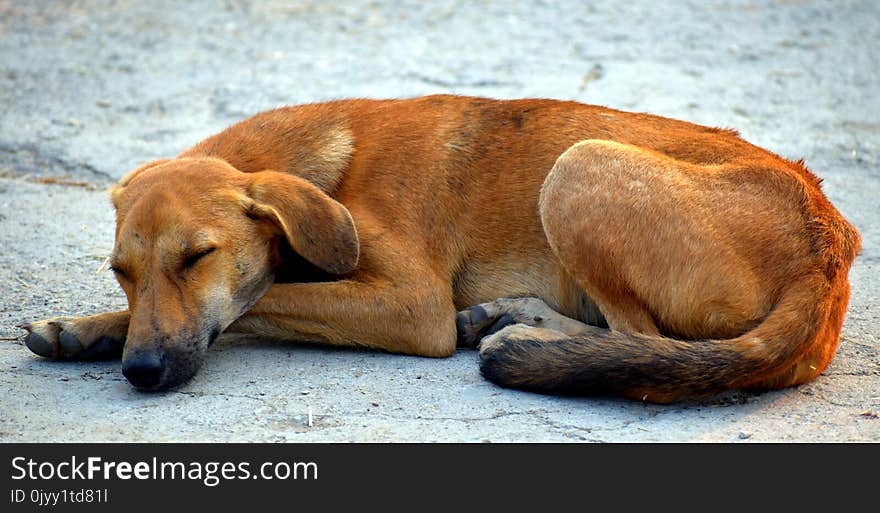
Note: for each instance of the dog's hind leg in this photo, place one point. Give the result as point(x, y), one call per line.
point(94, 337)
point(657, 242)
point(733, 261)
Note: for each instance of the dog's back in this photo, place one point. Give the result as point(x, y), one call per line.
point(460, 176)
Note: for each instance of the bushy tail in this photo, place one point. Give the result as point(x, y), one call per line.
point(661, 369)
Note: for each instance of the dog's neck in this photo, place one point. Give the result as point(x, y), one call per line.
point(295, 140)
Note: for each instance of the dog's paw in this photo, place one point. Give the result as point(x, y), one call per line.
point(44, 339)
point(496, 342)
point(477, 322)
point(503, 354)
point(516, 355)
point(480, 321)
point(66, 338)
point(513, 335)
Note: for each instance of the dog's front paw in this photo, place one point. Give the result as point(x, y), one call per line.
point(66, 338)
point(45, 338)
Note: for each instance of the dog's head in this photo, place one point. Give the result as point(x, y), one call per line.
point(199, 242)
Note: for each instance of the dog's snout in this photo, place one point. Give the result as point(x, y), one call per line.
point(144, 369)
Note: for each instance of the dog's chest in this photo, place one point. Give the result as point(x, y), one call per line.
point(483, 281)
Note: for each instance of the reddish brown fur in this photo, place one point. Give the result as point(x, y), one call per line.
point(675, 230)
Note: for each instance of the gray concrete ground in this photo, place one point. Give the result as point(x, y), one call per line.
point(90, 89)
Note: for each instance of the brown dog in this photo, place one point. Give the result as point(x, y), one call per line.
point(645, 256)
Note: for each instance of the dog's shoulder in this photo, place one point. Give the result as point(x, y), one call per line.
point(312, 141)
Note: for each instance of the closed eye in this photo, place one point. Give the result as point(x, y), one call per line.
point(118, 271)
point(194, 258)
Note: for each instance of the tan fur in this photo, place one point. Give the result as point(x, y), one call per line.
point(401, 212)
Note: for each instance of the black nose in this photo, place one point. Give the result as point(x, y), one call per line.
point(143, 369)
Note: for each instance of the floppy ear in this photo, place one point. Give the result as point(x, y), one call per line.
point(316, 226)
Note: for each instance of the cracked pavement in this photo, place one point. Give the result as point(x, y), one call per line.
point(91, 89)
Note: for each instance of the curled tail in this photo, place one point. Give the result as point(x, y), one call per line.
point(805, 322)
